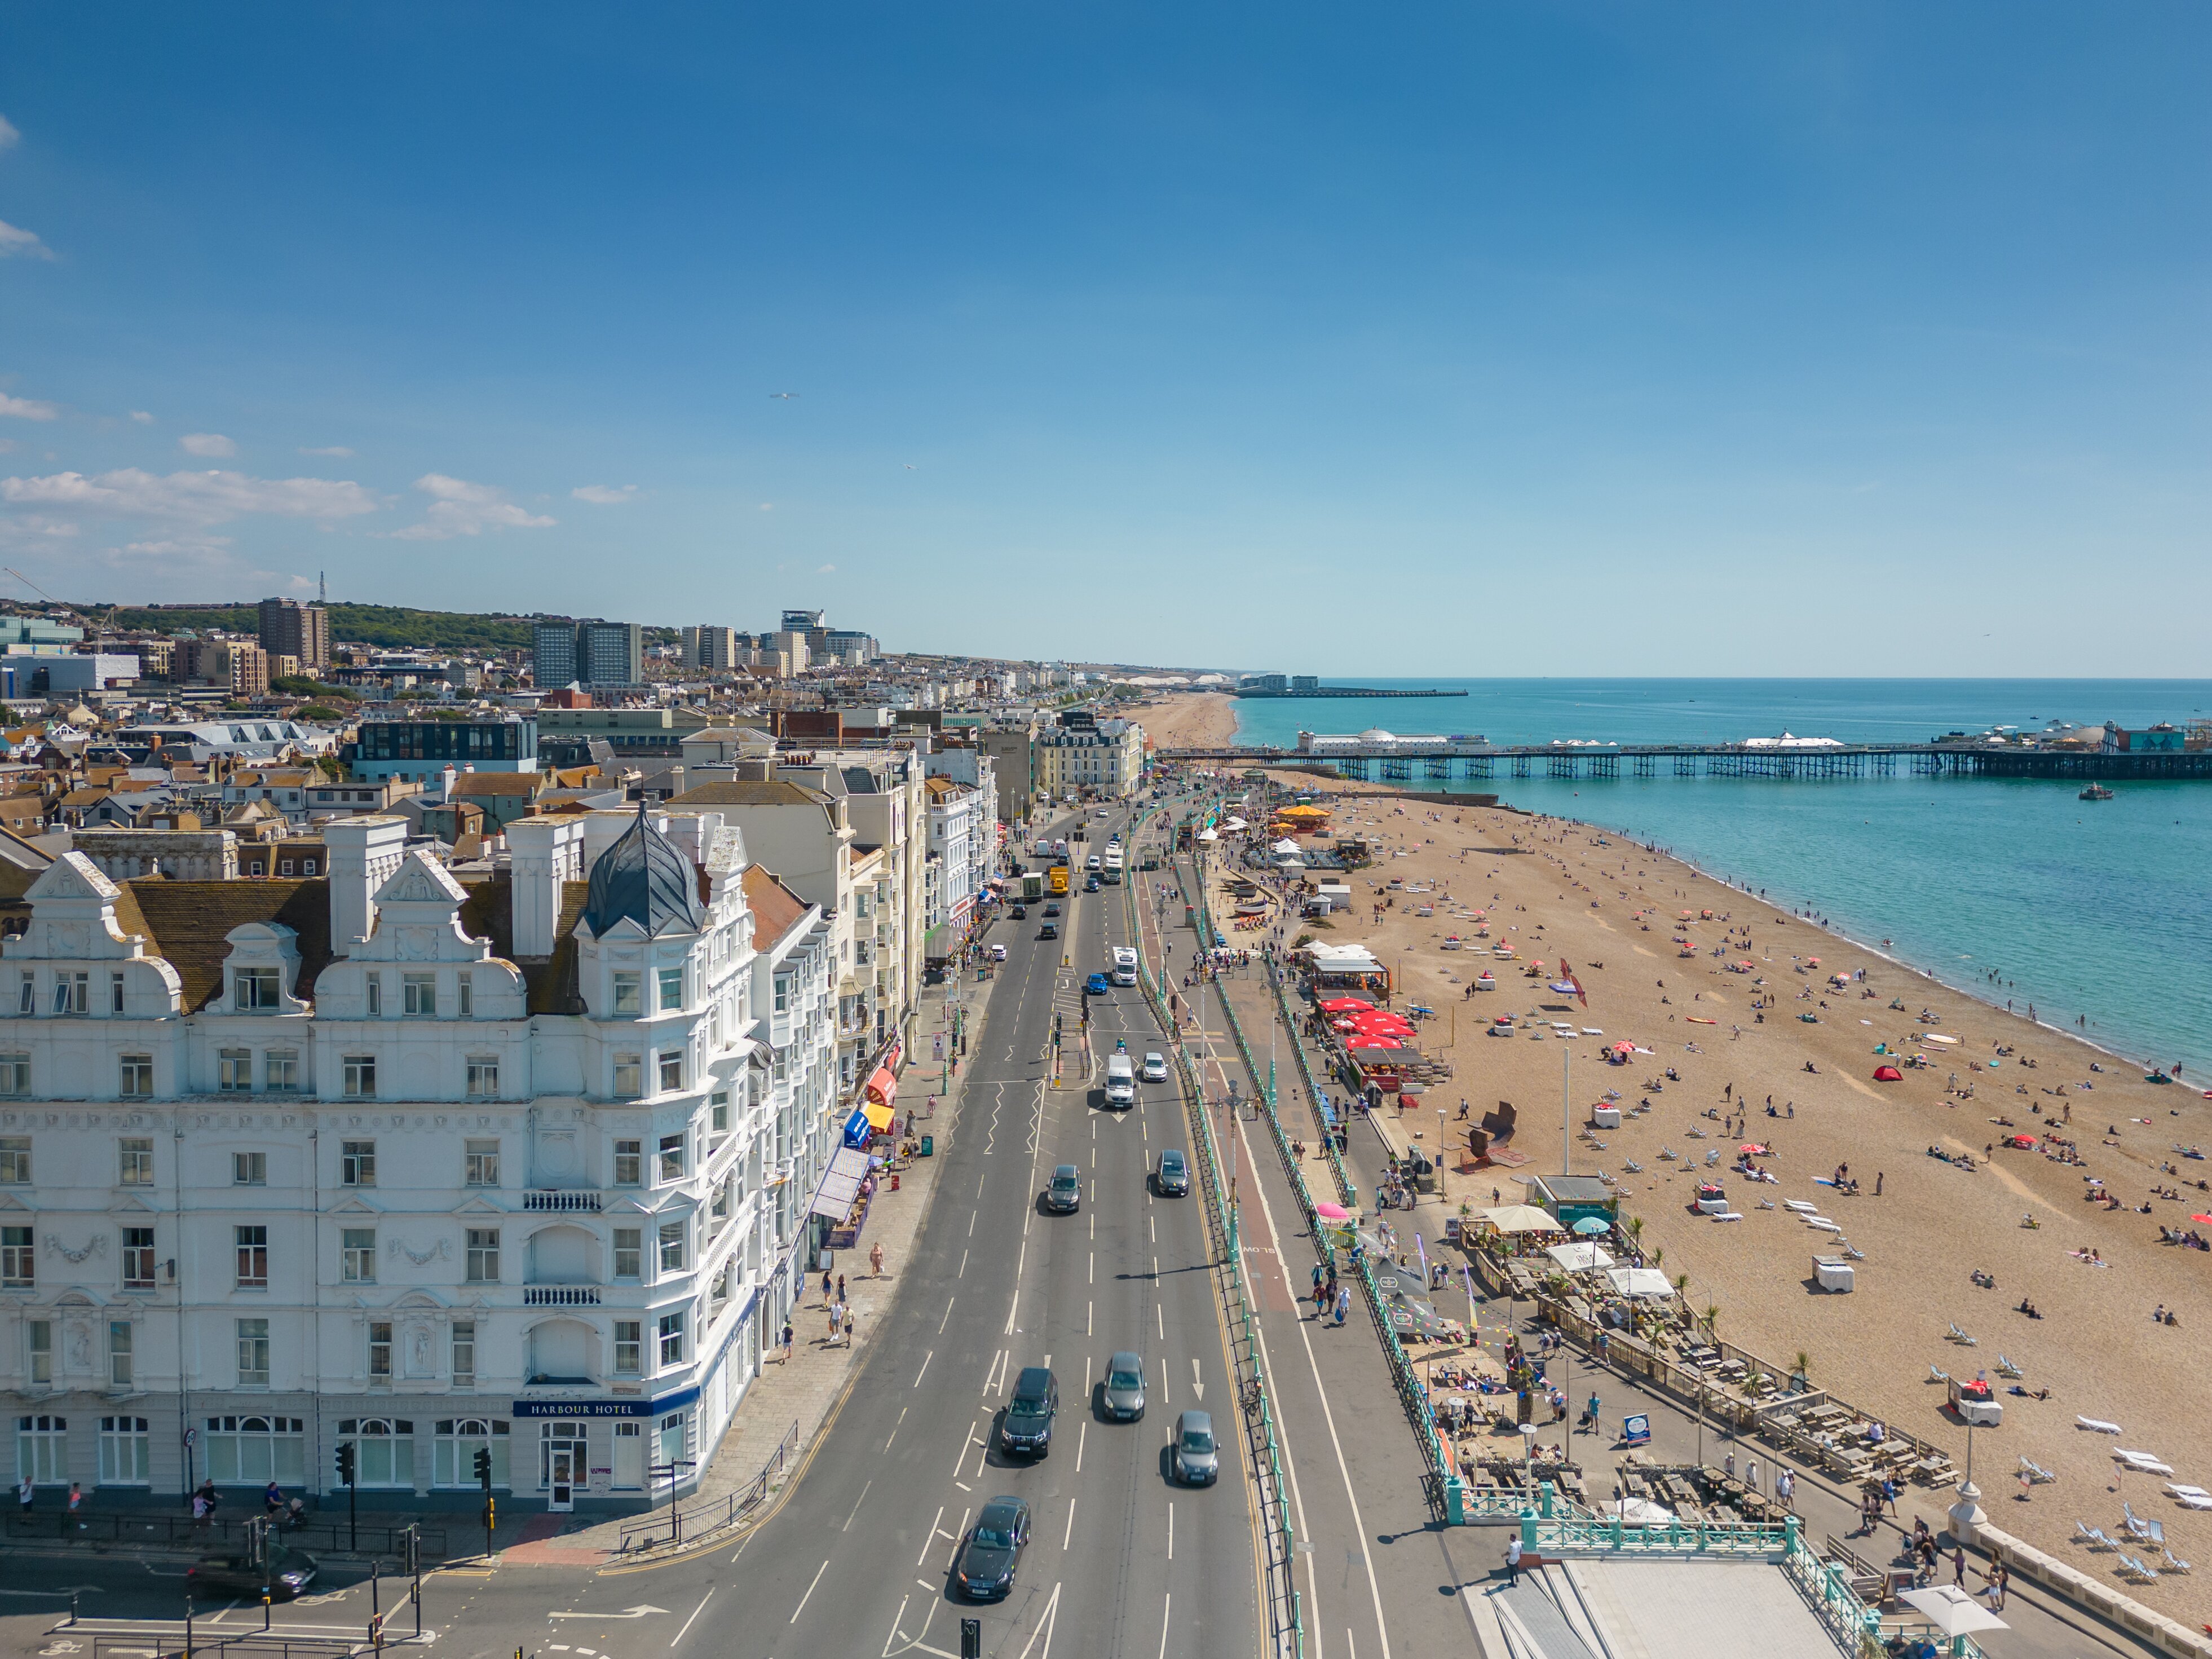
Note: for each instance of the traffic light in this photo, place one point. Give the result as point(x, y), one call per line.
point(345, 1462)
point(971, 1639)
point(484, 1468)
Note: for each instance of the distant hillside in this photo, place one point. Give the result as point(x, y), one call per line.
point(393, 626)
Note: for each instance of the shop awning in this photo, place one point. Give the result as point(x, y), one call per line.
point(882, 1087)
point(841, 1184)
point(878, 1114)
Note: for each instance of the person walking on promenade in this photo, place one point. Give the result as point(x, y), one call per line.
point(787, 1341)
point(1959, 1566)
point(1343, 1304)
point(1513, 1560)
point(876, 1259)
point(836, 1322)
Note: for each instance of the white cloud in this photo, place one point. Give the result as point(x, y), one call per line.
point(15, 239)
point(826, 570)
point(141, 418)
point(190, 497)
point(459, 507)
point(339, 450)
point(9, 135)
point(213, 444)
point(28, 408)
point(605, 495)
point(767, 506)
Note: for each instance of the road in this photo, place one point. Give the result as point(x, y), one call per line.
point(857, 1559)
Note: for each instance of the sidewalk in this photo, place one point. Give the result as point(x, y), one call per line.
point(799, 1396)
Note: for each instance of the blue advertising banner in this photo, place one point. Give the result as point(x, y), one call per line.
point(1637, 1431)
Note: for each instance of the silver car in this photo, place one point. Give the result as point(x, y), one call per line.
point(1125, 1388)
point(1197, 1461)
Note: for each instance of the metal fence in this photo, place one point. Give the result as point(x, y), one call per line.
point(158, 1530)
point(710, 1514)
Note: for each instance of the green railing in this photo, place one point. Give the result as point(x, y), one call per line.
point(1222, 1221)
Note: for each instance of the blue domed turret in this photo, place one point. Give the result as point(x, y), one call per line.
point(643, 877)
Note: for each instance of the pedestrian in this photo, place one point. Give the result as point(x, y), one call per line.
point(1751, 1474)
point(848, 1327)
point(787, 1338)
point(1513, 1560)
point(1343, 1304)
point(75, 1503)
point(25, 1493)
point(825, 1287)
point(841, 1289)
point(875, 1259)
point(1877, 1183)
point(200, 1516)
point(2001, 1575)
point(1959, 1565)
point(836, 1320)
point(1728, 1465)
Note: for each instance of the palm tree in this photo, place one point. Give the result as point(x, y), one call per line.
point(1803, 1365)
point(1682, 1285)
point(1635, 1225)
point(1710, 1318)
point(1658, 1256)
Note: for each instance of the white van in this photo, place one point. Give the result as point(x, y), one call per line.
point(1125, 965)
point(1121, 1081)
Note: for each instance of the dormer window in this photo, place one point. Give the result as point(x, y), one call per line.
point(254, 990)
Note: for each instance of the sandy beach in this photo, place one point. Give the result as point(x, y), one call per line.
point(1189, 720)
point(1554, 889)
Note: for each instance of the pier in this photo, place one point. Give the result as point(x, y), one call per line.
point(1437, 762)
point(1340, 691)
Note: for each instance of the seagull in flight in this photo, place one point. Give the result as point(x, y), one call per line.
point(909, 467)
point(786, 396)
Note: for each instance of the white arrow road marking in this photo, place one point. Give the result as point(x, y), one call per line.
point(637, 1612)
point(1198, 1387)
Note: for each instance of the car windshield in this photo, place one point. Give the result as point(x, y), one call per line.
point(1065, 1183)
point(1197, 1440)
point(1172, 1163)
point(1125, 1380)
point(999, 1537)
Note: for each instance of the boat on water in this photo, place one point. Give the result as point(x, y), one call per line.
point(2095, 791)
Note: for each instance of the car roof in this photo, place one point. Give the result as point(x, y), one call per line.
point(1153, 1054)
point(1125, 1361)
point(1033, 1380)
point(1000, 1510)
point(1195, 1420)
point(1172, 1154)
point(1065, 1169)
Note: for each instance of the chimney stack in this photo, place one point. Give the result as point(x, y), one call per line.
point(542, 854)
point(362, 855)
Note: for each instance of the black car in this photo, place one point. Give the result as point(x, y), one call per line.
point(1052, 909)
point(1021, 913)
point(1173, 1176)
point(1065, 1195)
point(984, 1569)
point(1027, 1428)
point(286, 1574)
point(1050, 930)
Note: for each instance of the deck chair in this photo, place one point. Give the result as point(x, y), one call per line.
point(1714, 1155)
point(1633, 1167)
point(1765, 1203)
point(2135, 1572)
point(2006, 1368)
point(2085, 1533)
point(1697, 1134)
point(1666, 1154)
point(2098, 1540)
point(2154, 1531)
point(1962, 1338)
point(2173, 1565)
point(1937, 1374)
point(1856, 1256)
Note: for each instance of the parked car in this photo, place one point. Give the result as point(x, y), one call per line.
point(1124, 1393)
point(287, 1573)
point(1063, 1194)
point(991, 1551)
point(1197, 1459)
point(1026, 1428)
point(1173, 1175)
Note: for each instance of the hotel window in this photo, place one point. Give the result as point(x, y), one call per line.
point(718, 1106)
point(19, 1265)
point(375, 993)
point(126, 1457)
point(453, 1455)
point(484, 1255)
point(253, 990)
point(42, 1450)
point(465, 1354)
point(72, 993)
point(137, 1075)
point(252, 1451)
point(136, 1157)
point(357, 1255)
point(783, 993)
point(418, 995)
point(252, 1353)
point(629, 1348)
point(357, 1163)
point(119, 1354)
point(626, 992)
point(671, 1072)
point(137, 1258)
point(674, 1158)
point(360, 1076)
point(629, 1252)
point(380, 1352)
point(483, 1076)
point(252, 1247)
point(249, 1169)
point(465, 1000)
point(115, 993)
point(39, 1350)
point(27, 1000)
point(671, 1247)
point(629, 1076)
point(481, 1163)
point(671, 1338)
point(671, 990)
point(14, 1074)
point(279, 1069)
point(234, 1070)
point(629, 1162)
point(384, 1450)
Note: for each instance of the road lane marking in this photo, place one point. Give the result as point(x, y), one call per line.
point(1164, 1369)
point(1086, 1318)
point(1159, 1308)
point(961, 1272)
point(1171, 1529)
point(1090, 1271)
point(893, 1435)
point(927, 1542)
point(1081, 1429)
point(1167, 1603)
point(924, 1371)
point(943, 1322)
point(1050, 1616)
point(803, 1600)
point(1070, 1533)
point(707, 1597)
point(848, 1527)
point(972, 1214)
point(896, 1619)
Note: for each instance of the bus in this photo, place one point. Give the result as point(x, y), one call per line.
point(1112, 871)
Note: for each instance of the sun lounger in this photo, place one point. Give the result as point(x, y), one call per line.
point(1821, 1224)
point(1730, 1215)
point(2173, 1565)
point(2096, 1425)
point(2194, 1503)
point(2006, 1368)
point(2142, 1463)
point(1801, 1207)
point(2188, 1492)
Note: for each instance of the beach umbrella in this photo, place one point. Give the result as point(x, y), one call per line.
point(1755, 1149)
point(1951, 1610)
point(2206, 1219)
point(1589, 1226)
point(1332, 1211)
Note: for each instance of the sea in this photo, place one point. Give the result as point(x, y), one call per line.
point(2097, 915)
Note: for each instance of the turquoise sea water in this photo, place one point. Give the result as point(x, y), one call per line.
point(2100, 911)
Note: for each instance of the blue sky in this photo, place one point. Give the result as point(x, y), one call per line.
point(1486, 339)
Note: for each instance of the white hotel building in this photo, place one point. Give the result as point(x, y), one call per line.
point(383, 1160)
